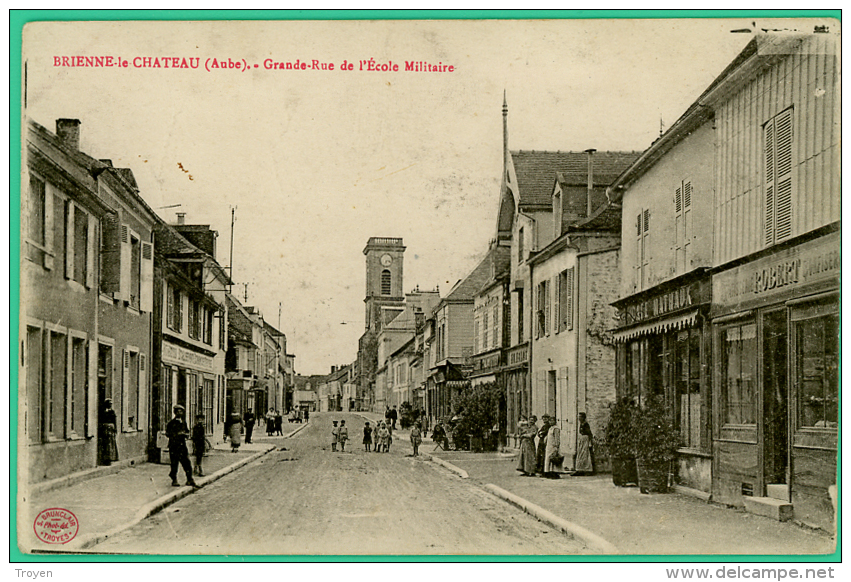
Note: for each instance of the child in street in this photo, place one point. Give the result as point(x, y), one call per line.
point(199, 443)
point(384, 436)
point(367, 437)
point(343, 436)
point(416, 438)
point(335, 435)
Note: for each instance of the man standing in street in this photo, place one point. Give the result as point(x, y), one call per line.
point(394, 416)
point(177, 430)
point(249, 425)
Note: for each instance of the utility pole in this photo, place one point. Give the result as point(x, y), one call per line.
point(230, 268)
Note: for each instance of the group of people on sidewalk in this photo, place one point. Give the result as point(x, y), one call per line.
point(545, 458)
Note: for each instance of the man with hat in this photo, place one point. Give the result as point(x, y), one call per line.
point(177, 430)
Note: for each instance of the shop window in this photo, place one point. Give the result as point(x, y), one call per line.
point(738, 373)
point(817, 359)
point(208, 406)
point(687, 417)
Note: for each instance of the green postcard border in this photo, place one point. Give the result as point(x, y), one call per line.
point(19, 18)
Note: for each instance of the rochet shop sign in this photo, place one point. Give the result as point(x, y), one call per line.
point(173, 354)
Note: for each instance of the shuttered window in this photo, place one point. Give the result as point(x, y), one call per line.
point(684, 231)
point(778, 178)
point(110, 255)
point(642, 228)
point(385, 282)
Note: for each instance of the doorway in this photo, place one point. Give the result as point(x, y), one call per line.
point(775, 408)
point(104, 392)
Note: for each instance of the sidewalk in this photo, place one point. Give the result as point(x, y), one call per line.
point(116, 500)
point(632, 522)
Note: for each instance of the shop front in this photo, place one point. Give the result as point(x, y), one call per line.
point(663, 350)
point(187, 378)
point(776, 344)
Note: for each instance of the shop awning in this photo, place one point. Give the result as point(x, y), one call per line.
point(673, 323)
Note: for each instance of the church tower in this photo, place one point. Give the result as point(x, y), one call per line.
point(384, 262)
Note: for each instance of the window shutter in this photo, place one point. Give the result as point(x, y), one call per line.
point(69, 239)
point(783, 175)
point(645, 244)
point(91, 250)
point(557, 306)
point(146, 292)
point(110, 276)
point(546, 307)
point(688, 226)
point(142, 401)
point(124, 263)
point(125, 387)
point(569, 302)
point(48, 227)
point(639, 252)
point(169, 306)
point(769, 183)
point(679, 229)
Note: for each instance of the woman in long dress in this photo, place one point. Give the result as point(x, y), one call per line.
point(584, 458)
point(552, 455)
point(235, 432)
point(526, 463)
point(108, 426)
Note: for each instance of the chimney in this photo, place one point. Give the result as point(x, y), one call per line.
point(68, 130)
point(181, 218)
point(590, 153)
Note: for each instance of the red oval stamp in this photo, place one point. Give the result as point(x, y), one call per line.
point(56, 526)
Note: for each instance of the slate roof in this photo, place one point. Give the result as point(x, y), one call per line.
point(469, 287)
point(537, 170)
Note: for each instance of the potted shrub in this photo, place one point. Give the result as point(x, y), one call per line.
point(655, 445)
point(619, 441)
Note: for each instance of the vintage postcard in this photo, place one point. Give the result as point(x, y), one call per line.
point(498, 287)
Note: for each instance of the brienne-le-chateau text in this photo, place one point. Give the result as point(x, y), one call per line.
point(211, 64)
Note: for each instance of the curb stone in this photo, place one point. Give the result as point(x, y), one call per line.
point(159, 504)
point(573, 530)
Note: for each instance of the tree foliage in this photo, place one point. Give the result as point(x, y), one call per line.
point(478, 408)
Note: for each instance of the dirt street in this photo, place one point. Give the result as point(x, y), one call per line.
point(309, 500)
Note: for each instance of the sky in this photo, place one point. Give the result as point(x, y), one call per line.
point(315, 162)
